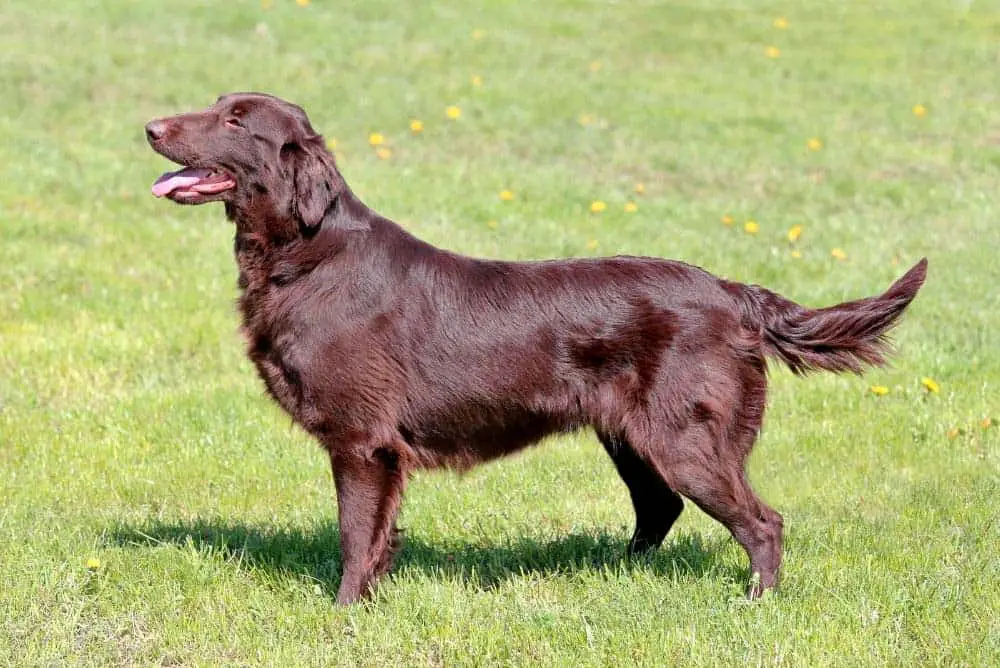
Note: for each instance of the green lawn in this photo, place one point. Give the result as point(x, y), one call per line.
point(134, 432)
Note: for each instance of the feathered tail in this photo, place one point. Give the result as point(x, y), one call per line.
point(838, 338)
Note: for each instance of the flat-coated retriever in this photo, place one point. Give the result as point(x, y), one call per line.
point(397, 355)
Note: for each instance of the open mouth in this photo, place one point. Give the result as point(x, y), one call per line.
point(191, 184)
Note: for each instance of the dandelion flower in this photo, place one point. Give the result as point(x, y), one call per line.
point(596, 66)
point(751, 227)
point(383, 153)
point(302, 3)
point(506, 195)
point(953, 433)
point(814, 144)
point(631, 207)
point(331, 144)
point(919, 110)
point(639, 188)
point(930, 385)
point(772, 52)
point(478, 34)
point(585, 119)
point(796, 253)
point(879, 390)
point(376, 139)
point(592, 244)
point(839, 254)
point(727, 220)
point(453, 112)
point(781, 23)
point(93, 563)
point(986, 423)
point(492, 224)
point(794, 232)
point(266, 4)
point(416, 127)
point(477, 81)
point(597, 206)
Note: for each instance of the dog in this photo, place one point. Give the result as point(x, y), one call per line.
point(397, 355)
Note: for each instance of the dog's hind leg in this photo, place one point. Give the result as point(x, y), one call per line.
point(656, 506)
point(706, 465)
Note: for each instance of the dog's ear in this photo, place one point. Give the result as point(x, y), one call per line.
point(312, 192)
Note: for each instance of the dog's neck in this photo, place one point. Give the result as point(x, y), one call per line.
point(271, 216)
point(273, 248)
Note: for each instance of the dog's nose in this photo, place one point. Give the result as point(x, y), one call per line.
point(155, 130)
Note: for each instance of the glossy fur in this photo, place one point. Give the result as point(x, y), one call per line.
point(397, 355)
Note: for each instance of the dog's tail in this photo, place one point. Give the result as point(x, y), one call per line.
point(838, 338)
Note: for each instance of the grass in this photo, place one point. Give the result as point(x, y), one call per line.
point(133, 431)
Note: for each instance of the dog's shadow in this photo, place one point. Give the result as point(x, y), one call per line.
point(315, 553)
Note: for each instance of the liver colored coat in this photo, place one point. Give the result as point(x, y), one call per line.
point(397, 355)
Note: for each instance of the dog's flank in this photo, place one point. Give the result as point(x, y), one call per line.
point(397, 355)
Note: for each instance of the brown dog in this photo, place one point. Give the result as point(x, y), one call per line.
point(397, 355)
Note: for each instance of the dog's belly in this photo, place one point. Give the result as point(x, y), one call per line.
point(464, 436)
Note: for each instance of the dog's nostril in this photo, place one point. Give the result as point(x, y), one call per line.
point(155, 130)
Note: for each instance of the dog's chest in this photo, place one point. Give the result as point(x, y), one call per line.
point(271, 345)
point(301, 357)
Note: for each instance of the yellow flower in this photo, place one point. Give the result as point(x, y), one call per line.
point(879, 390)
point(592, 244)
point(93, 563)
point(814, 144)
point(597, 206)
point(796, 253)
point(506, 195)
point(986, 423)
point(596, 66)
point(727, 220)
point(477, 80)
point(953, 433)
point(331, 144)
point(376, 139)
point(838, 253)
point(919, 110)
point(492, 224)
point(453, 112)
point(794, 232)
point(266, 4)
point(772, 52)
point(930, 385)
point(631, 207)
point(383, 153)
point(478, 33)
point(751, 227)
point(416, 127)
point(302, 3)
point(781, 23)
point(639, 188)
point(585, 119)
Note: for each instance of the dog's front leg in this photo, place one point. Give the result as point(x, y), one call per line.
point(369, 491)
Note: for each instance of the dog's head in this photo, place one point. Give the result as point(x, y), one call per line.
point(247, 150)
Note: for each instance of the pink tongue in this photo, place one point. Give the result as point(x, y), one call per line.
point(182, 178)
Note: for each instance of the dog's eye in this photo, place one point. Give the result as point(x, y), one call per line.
point(233, 122)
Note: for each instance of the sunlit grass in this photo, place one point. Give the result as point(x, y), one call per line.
point(155, 507)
